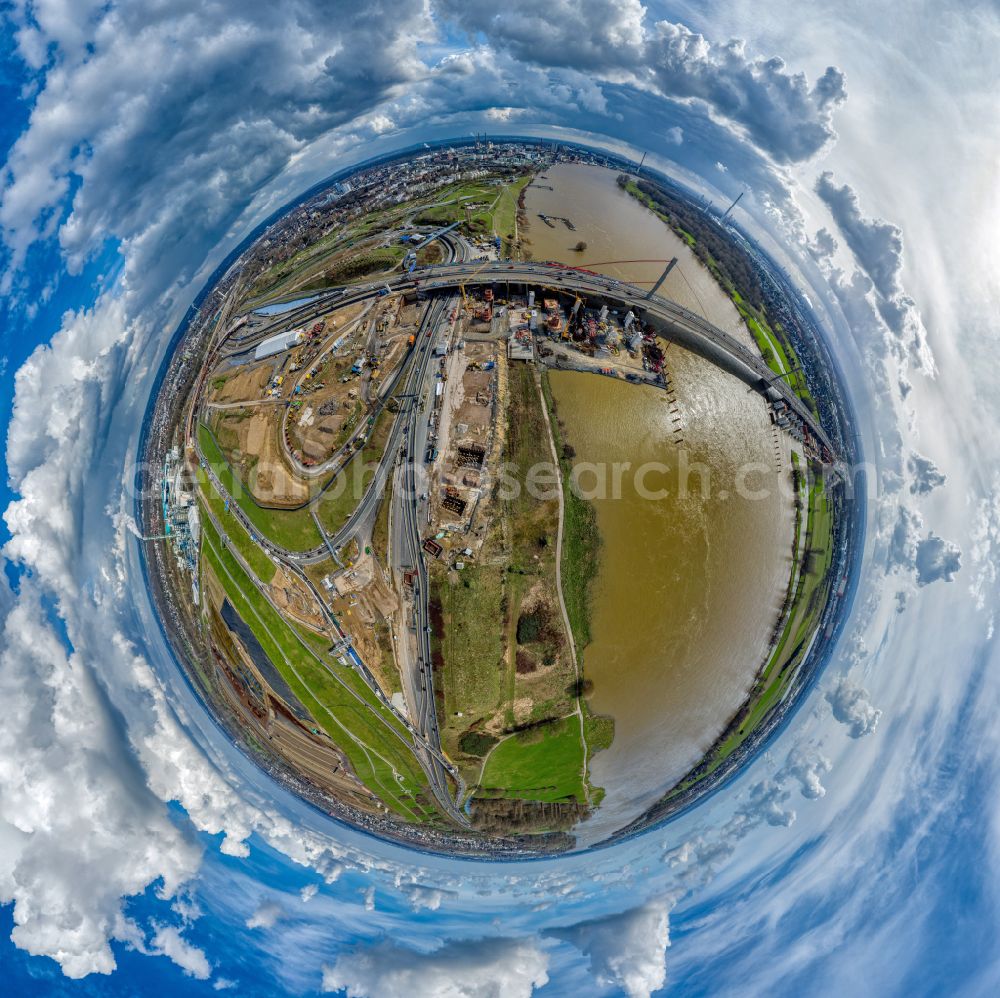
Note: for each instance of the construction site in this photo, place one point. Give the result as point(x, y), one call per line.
point(282, 410)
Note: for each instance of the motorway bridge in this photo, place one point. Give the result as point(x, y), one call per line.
point(673, 321)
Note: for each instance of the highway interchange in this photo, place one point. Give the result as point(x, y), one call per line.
point(407, 441)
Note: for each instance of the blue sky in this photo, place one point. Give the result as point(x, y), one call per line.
point(139, 852)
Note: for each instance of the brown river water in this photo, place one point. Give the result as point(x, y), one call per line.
point(688, 587)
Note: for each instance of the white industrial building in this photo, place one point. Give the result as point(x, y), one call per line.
point(278, 343)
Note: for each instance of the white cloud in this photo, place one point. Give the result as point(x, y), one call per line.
point(626, 951)
point(560, 33)
point(778, 110)
point(381, 123)
point(904, 539)
point(877, 246)
point(167, 941)
point(925, 475)
point(765, 803)
point(808, 767)
point(308, 892)
point(504, 113)
point(936, 560)
point(165, 125)
point(265, 916)
point(929, 559)
point(485, 969)
point(853, 707)
point(81, 830)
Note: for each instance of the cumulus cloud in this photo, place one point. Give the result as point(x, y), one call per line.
point(807, 767)
point(626, 951)
point(697, 860)
point(142, 122)
point(560, 33)
point(504, 113)
point(877, 246)
point(765, 803)
point(823, 245)
point(925, 475)
point(167, 941)
point(852, 707)
point(81, 829)
point(936, 559)
point(265, 916)
point(904, 538)
point(484, 969)
point(929, 559)
point(777, 109)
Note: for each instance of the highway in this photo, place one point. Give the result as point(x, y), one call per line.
point(364, 514)
point(676, 322)
point(407, 553)
point(265, 591)
point(423, 724)
point(680, 324)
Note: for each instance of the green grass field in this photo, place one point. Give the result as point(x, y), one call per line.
point(292, 529)
point(506, 209)
point(548, 769)
point(368, 740)
point(581, 542)
point(543, 762)
point(472, 653)
point(774, 348)
point(335, 506)
point(252, 554)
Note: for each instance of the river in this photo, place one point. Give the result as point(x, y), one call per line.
point(688, 588)
point(616, 227)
